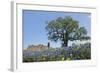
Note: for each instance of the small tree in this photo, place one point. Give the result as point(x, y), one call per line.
point(65, 29)
point(48, 44)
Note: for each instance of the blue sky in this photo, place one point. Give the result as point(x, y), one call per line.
point(34, 23)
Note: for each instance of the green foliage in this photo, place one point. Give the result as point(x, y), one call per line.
point(77, 52)
point(65, 29)
point(29, 59)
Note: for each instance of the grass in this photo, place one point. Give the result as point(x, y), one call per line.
point(77, 52)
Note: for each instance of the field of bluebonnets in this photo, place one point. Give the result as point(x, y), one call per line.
point(74, 52)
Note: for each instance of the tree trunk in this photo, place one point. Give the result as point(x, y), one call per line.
point(65, 43)
point(65, 39)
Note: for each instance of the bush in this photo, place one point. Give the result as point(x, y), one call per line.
point(76, 52)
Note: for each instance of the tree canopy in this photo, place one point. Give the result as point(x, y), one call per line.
point(65, 29)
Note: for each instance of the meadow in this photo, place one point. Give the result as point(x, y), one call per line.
point(74, 52)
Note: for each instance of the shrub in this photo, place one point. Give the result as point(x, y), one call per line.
point(76, 52)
